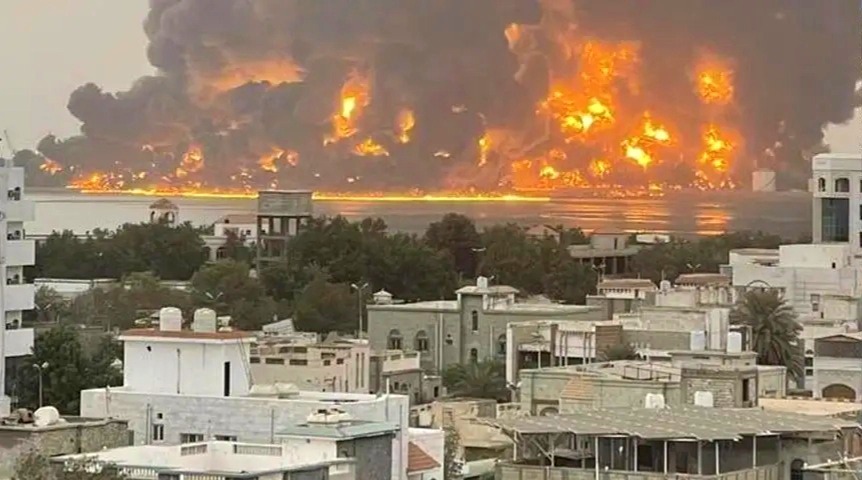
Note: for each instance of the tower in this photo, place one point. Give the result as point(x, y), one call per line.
point(280, 216)
point(837, 199)
point(164, 211)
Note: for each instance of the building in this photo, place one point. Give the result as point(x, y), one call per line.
point(280, 215)
point(242, 226)
point(837, 367)
point(19, 434)
point(468, 329)
point(334, 365)
point(18, 252)
point(164, 211)
point(182, 386)
point(609, 252)
point(225, 460)
point(401, 372)
point(837, 200)
point(667, 443)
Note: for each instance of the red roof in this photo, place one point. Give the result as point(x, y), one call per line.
point(418, 460)
point(189, 334)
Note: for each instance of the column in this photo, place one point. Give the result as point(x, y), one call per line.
point(699, 458)
point(665, 457)
point(717, 459)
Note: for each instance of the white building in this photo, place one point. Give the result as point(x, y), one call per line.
point(183, 386)
point(242, 225)
point(626, 288)
point(837, 203)
point(16, 252)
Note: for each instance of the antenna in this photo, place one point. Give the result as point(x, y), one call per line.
point(9, 142)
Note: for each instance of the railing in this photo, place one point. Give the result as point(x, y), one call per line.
point(139, 473)
point(508, 471)
point(250, 449)
point(194, 449)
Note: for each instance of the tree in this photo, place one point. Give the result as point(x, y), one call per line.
point(569, 281)
point(49, 304)
point(512, 257)
point(65, 370)
point(456, 234)
point(774, 328)
point(35, 466)
point(170, 252)
point(451, 453)
point(227, 287)
point(325, 307)
point(484, 379)
point(621, 351)
point(235, 248)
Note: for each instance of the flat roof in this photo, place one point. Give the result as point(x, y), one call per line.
point(339, 431)
point(627, 283)
point(492, 290)
point(682, 423)
point(809, 406)
point(184, 334)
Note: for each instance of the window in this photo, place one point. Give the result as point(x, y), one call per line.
point(225, 438)
point(501, 345)
point(340, 361)
point(821, 184)
point(326, 363)
point(298, 361)
point(474, 355)
point(158, 432)
point(815, 301)
point(746, 395)
point(226, 379)
point(449, 339)
point(191, 437)
point(842, 185)
point(835, 223)
point(796, 470)
point(394, 340)
point(474, 317)
point(275, 361)
point(436, 392)
point(421, 342)
point(254, 360)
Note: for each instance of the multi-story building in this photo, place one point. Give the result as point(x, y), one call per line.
point(280, 216)
point(609, 252)
point(468, 329)
point(401, 372)
point(337, 365)
point(183, 386)
point(16, 252)
point(837, 200)
point(837, 367)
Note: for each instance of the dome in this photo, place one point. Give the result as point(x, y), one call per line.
point(163, 204)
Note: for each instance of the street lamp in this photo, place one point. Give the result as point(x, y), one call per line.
point(478, 251)
point(359, 289)
point(691, 267)
point(40, 368)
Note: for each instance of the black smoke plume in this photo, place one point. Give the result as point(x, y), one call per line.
point(246, 79)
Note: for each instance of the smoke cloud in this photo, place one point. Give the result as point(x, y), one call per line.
point(452, 94)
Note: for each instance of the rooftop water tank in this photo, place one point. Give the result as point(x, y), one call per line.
point(482, 282)
point(46, 416)
point(734, 342)
point(704, 399)
point(170, 319)
point(204, 320)
point(654, 400)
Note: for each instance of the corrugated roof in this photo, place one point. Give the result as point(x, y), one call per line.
point(418, 460)
point(694, 423)
point(339, 431)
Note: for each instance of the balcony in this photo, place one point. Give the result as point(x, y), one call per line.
point(20, 253)
point(19, 297)
point(19, 342)
point(21, 211)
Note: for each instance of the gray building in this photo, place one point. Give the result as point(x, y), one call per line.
point(468, 329)
point(838, 367)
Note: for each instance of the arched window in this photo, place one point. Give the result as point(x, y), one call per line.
point(797, 471)
point(474, 318)
point(474, 355)
point(393, 341)
point(821, 184)
point(501, 345)
point(547, 411)
point(420, 343)
point(842, 185)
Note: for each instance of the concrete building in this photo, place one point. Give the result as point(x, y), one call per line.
point(609, 252)
point(337, 365)
point(838, 367)
point(164, 211)
point(184, 386)
point(17, 296)
point(243, 226)
point(280, 215)
point(837, 200)
point(68, 435)
point(401, 372)
point(468, 329)
point(667, 443)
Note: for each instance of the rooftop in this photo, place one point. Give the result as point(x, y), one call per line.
point(339, 431)
point(627, 283)
point(694, 423)
point(814, 407)
point(163, 204)
point(183, 334)
point(490, 290)
point(418, 460)
point(238, 218)
point(700, 279)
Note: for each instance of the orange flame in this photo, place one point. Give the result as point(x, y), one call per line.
point(50, 167)
point(406, 122)
point(270, 162)
point(354, 96)
point(637, 153)
point(193, 161)
point(484, 148)
point(600, 167)
point(715, 82)
point(370, 148)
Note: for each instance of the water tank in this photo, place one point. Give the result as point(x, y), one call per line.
point(697, 340)
point(654, 400)
point(703, 399)
point(204, 320)
point(763, 180)
point(383, 298)
point(734, 342)
point(46, 416)
point(170, 319)
point(482, 282)
point(664, 285)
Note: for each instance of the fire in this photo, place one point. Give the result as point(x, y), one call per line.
point(637, 153)
point(406, 122)
point(370, 148)
point(50, 167)
point(655, 131)
point(193, 161)
point(484, 148)
point(354, 97)
point(576, 116)
point(270, 162)
point(549, 172)
point(717, 150)
point(715, 82)
point(600, 167)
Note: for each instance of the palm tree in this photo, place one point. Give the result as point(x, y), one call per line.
point(49, 304)
point(485, 379)
point(774, 328)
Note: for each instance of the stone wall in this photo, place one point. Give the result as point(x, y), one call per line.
point(373, 456)
point(725, 386)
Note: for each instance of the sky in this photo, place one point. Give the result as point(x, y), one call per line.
point(52, 47)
